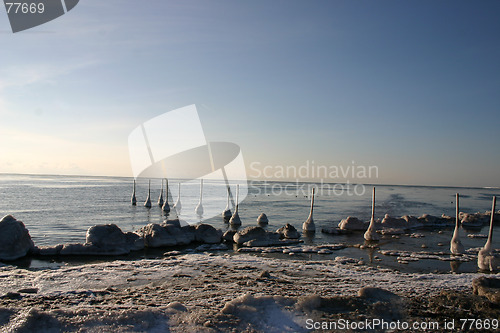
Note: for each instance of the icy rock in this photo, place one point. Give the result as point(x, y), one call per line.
point(211, 247)
point(28, 291)
point(177, 306)
point(345, 260)
point(180, 237)
point(288, 231)
point(262, 219)
point(108, 237)
point(264, 275)
point(15, 240)
point(429, 221)
point(477, 236)
point(49, 250)
point(172, 253)
point(174, 222)
point(377, 294)
point(352, 223)
point(12, 295)
point(405, 222)
point(134, 241)
point(249, 233)
point(272, 239)
point(229, 235)
point(392, 222)
point(77, 249)
point(205, 233)
point(256, 236)
point(487, 287)
point(392, 231)
point(155, 235)
point(100, 240)
point(190, 232)
point(474, 220)
point(412, 222)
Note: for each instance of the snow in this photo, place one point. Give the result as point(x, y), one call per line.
point(197, 292)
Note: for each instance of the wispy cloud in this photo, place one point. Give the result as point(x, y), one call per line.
point(16, 76)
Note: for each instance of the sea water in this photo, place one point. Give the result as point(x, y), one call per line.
point(60, 209)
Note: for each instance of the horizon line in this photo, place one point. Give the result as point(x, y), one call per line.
point(263, 180)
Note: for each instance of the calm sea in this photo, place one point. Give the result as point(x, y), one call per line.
point(60, 209)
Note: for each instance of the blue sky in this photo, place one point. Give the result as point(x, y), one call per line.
point(409, 86)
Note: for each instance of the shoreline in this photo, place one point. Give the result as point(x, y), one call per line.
point(224, 293)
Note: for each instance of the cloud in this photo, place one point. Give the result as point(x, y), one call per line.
point(16, 76)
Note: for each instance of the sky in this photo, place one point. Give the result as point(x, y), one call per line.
point(411, 87)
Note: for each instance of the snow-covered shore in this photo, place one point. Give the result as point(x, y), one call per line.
point(206, 292)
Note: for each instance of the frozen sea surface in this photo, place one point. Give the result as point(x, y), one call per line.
point(60, 209)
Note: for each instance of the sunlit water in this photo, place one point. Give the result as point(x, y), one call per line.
point(60, 209)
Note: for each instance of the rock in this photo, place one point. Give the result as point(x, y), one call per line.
point(77, 249)
point(250, 233)
point(180, 237)
point(15, 240)
point(377, 294)
point(477, 236)
point(108, 237)
point(392, 231)
point(428, 220)
point(412, 222)
point(392, 222)
point(353, 223)
point(256, 236)
point(211, 247)
point(190, 232)
point(345, 260)
point(273, 239)
point(177, 306)
point(487, 287)
point(264, 275)
point(288, 232)
point(49, 250)
point(172, 253)
point(134, 241)
point(472, 221)
point(11, 295)
point(28, 291)
point(104, 239)
point(174, 222)
point(205, 233)
point(262, 219)
point(229, 235)
point(404, 223)
point(155, 235)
